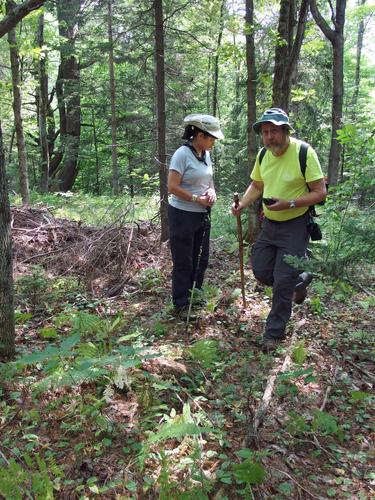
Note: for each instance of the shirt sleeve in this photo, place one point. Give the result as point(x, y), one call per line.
point(255, 174)
point(178, 161)
point(313, 169)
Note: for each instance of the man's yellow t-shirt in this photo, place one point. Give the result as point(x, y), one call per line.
point(282, 178)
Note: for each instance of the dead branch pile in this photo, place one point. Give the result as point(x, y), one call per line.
point(67, 247)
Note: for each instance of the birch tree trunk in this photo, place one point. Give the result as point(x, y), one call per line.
point(17, 110)
point(160, 106)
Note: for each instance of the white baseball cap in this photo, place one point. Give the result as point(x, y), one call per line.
point(206, 123)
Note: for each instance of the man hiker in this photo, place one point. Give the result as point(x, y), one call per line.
point(287, 194)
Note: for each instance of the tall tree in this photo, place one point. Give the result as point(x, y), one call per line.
point(251, 86)
point(17, 110)
point(6, 263)
point(112, 84)
point(43, 107)
point(336, 36)
point(6, 271)
point(17, 14)
point(361, 31)
point(160, 108)
point(287, 50)
point(68, 94)
point(216, 60)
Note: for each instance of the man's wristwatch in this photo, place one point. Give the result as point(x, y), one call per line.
point(194, 197)
point(292, 204)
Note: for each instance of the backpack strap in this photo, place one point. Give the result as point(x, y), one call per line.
point(263, 151)
point(302, 163)
point(303, 157)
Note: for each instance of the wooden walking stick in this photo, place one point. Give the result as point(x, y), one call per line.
point(240, 246)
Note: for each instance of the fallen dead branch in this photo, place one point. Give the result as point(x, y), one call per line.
point(252, 435)
point(362, 370)
point(295, 482)
point(329, 388)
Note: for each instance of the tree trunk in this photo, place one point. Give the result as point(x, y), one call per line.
point(43, 105)
point(115, 172)
point(160, 105)
point(253, 227)
point(69, 94)
point(7, 332)
point(216, 60)
point(18, 122)
point(361, 32)
point(336, 37)
point(287, 51)
point(97, 179)
point(17, 14)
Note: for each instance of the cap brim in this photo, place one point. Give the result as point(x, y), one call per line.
point(257, 125)
point(217, 134)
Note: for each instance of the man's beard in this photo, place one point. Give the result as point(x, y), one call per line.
point(276, 149)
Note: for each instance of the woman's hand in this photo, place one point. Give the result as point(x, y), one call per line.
point(208, 198)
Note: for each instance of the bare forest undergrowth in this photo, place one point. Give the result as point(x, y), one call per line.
point(203, 413)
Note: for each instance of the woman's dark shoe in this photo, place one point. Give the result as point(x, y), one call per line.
point(300, 291)
point(269, 345)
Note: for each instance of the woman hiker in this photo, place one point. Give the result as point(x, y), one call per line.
point(190, 182)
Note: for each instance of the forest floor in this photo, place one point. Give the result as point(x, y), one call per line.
point(115, 398)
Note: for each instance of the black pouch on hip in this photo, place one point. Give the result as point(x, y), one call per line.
point(315, 231)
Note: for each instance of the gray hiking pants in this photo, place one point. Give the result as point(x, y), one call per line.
point(276, 240)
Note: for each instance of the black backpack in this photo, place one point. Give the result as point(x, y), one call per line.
point(302, 158)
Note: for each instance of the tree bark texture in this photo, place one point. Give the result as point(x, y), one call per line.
point(43, 106)
point(17, 14)
point(216, 60)
point(287, 50)
point(7, 332)
point(336, 37)
point(112, 84)
point(161, 126)
point(68, 94)
point(17, 110)
point(357, 80)
point(253, 226)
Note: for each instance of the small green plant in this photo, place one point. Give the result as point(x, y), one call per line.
point(296, 424)
point(205, 352)
point(31, 290)
point(316, 306)
point(299, 353)
point(151, 279)
point(30, 480)
point(249, 472)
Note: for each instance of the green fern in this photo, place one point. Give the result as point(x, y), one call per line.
point(205, 352)
point(30, 481)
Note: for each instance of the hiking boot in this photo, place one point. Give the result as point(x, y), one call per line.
point(268, 345)
point(181, 313)
point(300, 291)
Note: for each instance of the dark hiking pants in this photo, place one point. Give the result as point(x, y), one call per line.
point(189, 232)
point(276, 240)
